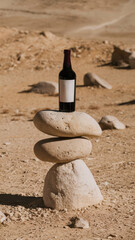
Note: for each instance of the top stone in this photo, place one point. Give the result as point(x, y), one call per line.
point(63, 124)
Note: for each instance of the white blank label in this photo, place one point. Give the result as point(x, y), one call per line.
point(67, 90)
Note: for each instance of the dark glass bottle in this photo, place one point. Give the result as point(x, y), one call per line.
point(67, 85)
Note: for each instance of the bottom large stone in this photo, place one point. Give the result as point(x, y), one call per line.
point(70, 185)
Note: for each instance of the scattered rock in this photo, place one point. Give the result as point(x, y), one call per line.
point(60, 150)
point(48, 35)
point(76, 51)
point(42, 33)
point(20, 56)
point(106, 183)
point(77, 222)
point(67, 124)
point(70, 185)
point(50, 88)
point(111, 236)
point(74, 54)
point(91, 79)
point(120, 56)
point(35, 159)
point(110, 122)
point(2, 217)
point(105, 42)
point(39, 68)
point(23, 32)
point(6, 143)
point(132, 60)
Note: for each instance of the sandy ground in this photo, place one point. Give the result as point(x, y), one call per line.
point(27, 57)
point(79, 19)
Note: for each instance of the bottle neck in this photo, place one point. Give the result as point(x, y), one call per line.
point(67, 60)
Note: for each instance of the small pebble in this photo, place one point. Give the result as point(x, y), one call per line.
point(111, 236)
point(105, 42)
point(77, 222)
point(2, 217)
point(106, 183)
point(35, 159)
point(7, 143)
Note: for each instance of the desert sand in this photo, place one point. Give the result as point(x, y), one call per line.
point(28, 56)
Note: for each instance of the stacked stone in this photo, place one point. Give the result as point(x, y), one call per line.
point(69, 183)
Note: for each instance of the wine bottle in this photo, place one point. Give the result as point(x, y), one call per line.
point(67, 85)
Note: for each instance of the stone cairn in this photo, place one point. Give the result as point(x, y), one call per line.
point(69, 183)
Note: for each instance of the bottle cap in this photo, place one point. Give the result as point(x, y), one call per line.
point(67, 51)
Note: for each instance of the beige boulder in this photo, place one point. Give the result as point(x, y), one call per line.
point(120, 56)
point(110, 122)
point(91, 79)
point(50, 88)
point(67, 124)
point(70, 185)
point(60, 150)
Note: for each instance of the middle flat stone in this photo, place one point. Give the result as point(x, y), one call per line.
point(60, 150)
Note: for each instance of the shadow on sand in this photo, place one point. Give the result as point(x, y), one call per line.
point(126, 67)
point(127, 103)
point(19, 200)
